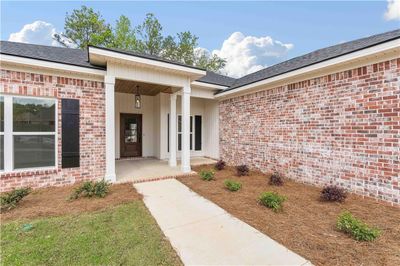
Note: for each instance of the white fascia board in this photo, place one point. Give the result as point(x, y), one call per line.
point(146, 62)
point(35, 63)
point(208, 85)
point(381, 48)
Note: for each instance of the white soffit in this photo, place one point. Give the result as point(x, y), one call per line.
point(205, 85)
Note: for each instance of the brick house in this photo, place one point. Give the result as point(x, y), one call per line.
point(330, 116)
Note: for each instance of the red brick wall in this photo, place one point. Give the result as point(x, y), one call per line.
point(342, 128)
point(92, 127)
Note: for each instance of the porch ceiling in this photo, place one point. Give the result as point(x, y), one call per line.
point(130, 86)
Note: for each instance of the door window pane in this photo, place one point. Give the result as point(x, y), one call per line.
point(32, 115)
point(34, 151)
point(131, 130)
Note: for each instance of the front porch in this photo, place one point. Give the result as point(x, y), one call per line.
point(143, 169)
point(156, 109)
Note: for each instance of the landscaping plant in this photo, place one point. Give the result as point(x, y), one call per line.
point(232, 185)
point(272, 200)
point(242, 170)
point(333, 193)
point(356, 228)
point(207, 175)
point(220, 165)
point(90, 189)
point(10, 200)
point(276, 179)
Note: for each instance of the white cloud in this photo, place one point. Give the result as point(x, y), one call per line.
point(38, 32)
point(393, 10)
point(247, 54)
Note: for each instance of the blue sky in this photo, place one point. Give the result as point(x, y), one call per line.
point(303, 26)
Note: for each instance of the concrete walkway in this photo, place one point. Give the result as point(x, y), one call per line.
point(204, 234)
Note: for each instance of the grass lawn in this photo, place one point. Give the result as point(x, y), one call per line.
point(122, 234)
point(306, 225)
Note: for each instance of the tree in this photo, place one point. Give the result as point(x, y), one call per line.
point(85, 27)
point(124, 35)
point(150, 36)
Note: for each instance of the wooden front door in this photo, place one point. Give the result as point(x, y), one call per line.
point(131, 135)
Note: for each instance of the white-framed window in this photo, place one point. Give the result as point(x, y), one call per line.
point(29, 126)
point(196, 130)
point(179, 131)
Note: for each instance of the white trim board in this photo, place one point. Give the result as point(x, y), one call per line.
point(376, 53)
point(102, 54)
point(11, 60)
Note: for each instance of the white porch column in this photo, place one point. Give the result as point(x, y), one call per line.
point(172, 130)
point(185, 155)
point(110, 128)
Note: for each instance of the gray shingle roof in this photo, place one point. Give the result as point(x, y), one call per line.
point(75, 57)
point(315, 57)
point(217, 79)
point(79, 57)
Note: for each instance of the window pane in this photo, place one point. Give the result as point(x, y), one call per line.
point(1, 113)
point(179, 142)
point(1, 152)
point(179, 123)
point(34, 151)
point(33, 115)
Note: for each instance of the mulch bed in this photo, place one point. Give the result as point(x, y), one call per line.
point(54, 201)
point(307, 225)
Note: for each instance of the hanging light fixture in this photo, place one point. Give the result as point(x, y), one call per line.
point(138, 100)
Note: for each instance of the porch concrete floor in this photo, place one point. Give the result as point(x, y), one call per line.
point(142, 169)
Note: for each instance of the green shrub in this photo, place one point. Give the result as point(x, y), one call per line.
point(90, 189)
point(272, 200)
point(356, 228)
point(10, 200)
point(232, 185)
point(207, 175)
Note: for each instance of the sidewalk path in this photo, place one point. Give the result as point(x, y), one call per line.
point(204, 234)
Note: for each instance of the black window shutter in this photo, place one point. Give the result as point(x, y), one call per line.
point(70, 133)
point(197, 135)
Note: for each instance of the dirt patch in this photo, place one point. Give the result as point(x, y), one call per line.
point(54, 201)
point(307, 225)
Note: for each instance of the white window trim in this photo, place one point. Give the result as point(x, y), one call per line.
point(192, 132)
point(9, 136)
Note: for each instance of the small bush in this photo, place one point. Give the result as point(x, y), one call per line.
point(242, 170)
point(207, 175)
point(91, 189)
point(276, 179)
point(333, 193)
point(10, 200)
point(272, 200)
point(232, 185)
point(220, 165)
point(356, 228)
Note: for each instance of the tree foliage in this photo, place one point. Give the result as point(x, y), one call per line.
point(84, 27)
